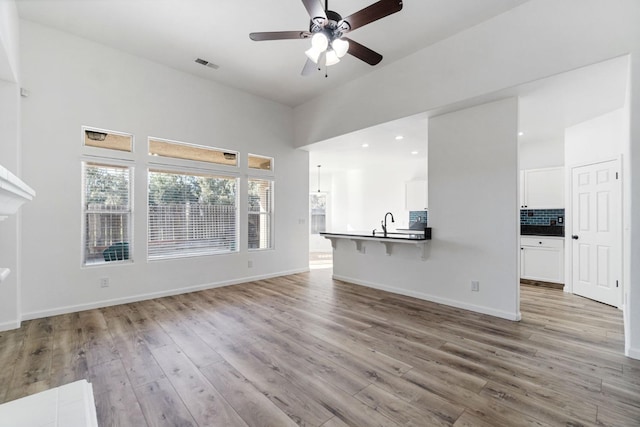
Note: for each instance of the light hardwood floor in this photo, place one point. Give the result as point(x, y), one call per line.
point(311, 351)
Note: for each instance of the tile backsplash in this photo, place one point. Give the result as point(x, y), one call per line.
point(541, 216)
point(414, 216)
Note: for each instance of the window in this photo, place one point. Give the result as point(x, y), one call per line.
point(107, 139)
point(318, 206)
point(260, 162)
point(260, 214)
point(191, 214)
point(180, 150)
point(106, 212)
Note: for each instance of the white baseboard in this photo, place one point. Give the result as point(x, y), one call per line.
point(142, 297)
point(433, 298)
point(7, 326)
point(633, 353)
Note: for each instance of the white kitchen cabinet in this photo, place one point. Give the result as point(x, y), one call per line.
point(542, 188)
point(416, 195)
point(542, 258)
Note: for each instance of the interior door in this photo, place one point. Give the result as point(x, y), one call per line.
point(596, 232)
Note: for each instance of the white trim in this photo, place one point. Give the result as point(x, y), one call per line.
point(633, 353)
point(427, 297)
point(13, 193)
point(7, 326)
point(142, 297)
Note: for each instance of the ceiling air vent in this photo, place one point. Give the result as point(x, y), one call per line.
point(207, 63)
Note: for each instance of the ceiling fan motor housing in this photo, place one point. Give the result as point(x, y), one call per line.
point(334, 27)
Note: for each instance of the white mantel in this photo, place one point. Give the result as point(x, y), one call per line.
point(13, 193)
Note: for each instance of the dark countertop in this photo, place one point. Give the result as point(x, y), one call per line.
point(380, 235)
point(542, 230)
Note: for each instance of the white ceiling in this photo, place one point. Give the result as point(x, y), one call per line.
point(176, 32)
point(546, 108)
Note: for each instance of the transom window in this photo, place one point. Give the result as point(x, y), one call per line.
point(107, 139)
point(181, 150)
point(260, 162)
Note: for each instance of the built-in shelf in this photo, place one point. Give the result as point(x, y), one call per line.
point(13, 193)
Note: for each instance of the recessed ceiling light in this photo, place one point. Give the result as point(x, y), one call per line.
point(414, 152)
point(520, 133)
point(399, 137)
point(365, 145)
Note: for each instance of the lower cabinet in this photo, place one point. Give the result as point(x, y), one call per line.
point(542, 258)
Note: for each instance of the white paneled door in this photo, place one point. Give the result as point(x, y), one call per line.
point(596, 232)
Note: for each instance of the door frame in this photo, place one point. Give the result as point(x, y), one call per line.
point(568, 225)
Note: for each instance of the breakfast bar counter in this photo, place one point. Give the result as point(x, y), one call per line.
point(419, 238)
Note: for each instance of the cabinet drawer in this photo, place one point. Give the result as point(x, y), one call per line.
point(542, 242)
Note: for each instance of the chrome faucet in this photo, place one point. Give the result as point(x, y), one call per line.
point(384, 223)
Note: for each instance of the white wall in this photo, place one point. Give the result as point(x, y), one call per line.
point(10, 159)
point(601, 138)
point(631, 216)
point(10, 227)
point(9, 35)
point(538, 39)
point(74, 82)
point(474, 235)
point(361, 196)
point(541, 154)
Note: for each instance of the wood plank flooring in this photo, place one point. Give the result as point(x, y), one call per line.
point(307, 350)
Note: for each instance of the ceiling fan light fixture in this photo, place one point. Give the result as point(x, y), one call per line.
point(313, 54)
point(319, 41)
point(332, 58)
point(340, 46)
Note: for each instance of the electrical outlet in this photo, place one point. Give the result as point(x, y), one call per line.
point(250, 264)
point(104, 282)
point(475, 286)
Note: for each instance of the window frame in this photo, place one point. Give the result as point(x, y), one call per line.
point(198, 168)
point(114, 163)
point(311, 223)
point(258, 171)
point(270, 213)
point(106, 152)
point(192, 164)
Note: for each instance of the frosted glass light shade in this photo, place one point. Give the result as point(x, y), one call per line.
point(340, 46)
point(319, 42)
point(332, 58)
point(313, 54)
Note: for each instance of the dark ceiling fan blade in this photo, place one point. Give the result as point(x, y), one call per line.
point(316, 11)
point(372, 13)
point(279, 35)
point(363, 53)
point(309, 68)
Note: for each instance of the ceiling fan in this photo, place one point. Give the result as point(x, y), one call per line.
point(327, 29)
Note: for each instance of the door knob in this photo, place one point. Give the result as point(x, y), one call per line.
point(575, 237)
